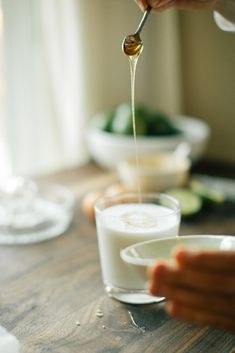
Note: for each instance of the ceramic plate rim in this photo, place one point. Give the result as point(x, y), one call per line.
point(150, 261)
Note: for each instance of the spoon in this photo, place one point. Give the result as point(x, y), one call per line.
point(132, 44)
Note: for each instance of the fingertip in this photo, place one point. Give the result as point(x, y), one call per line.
point(156, 272)
point(169, 305)
point(182, 256)
point(142, 4)
point(172, 308)
point(176, 250)
point(158, 269)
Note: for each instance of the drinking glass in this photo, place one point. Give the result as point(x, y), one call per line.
point(126, 219)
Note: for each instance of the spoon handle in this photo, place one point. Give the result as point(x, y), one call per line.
point(143, 20)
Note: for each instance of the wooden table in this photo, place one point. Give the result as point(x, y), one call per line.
point(50, 291)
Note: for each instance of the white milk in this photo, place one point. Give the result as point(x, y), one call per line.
point(122, 225)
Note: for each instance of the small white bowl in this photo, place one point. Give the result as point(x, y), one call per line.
point(108, 149)
point(155, 173)
point(150, 252)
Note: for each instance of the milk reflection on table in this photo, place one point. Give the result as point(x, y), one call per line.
point(123, 224)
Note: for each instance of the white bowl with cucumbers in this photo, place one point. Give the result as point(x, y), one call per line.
point(110, 134)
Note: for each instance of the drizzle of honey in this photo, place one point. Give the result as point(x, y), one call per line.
point(133, 49)
point(133, 59)
point(132, 46)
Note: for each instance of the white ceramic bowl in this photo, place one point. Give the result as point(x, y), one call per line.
point(107, 149)
point(155, 173)
point(150, 252)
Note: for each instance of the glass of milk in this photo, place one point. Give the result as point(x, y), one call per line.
point(126, 219)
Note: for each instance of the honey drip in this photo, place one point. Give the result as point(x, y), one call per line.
point(133, 59)
point(132, 46)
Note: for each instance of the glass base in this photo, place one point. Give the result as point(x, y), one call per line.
point(132, 297)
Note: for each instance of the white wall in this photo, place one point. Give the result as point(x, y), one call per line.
point(208, 59)
point(158, 78)
point(187, 66)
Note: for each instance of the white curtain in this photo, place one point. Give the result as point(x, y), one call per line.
point(44, 85)
point(63, 63)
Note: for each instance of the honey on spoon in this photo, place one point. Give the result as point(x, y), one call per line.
point(132, 44)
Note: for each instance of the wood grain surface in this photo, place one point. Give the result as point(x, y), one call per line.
point(50, 291)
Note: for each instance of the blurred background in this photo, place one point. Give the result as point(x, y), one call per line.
point(61, 62)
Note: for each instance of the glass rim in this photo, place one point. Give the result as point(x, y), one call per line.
point(98, 208)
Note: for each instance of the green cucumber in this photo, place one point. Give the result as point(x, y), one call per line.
point(122, 122)
point(208, 195)
point(103, 121)
point(190, 202)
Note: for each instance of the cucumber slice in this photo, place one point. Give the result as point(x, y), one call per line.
point(103, 121)
point(190, 203)
point(122, 121)
point(209, 195)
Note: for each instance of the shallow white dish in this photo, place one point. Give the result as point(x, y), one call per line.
point(155, 173)
point(107, 149)
point(150, 252)
point(48, 215)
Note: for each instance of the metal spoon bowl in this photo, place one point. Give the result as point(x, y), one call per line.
point(132, 44)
